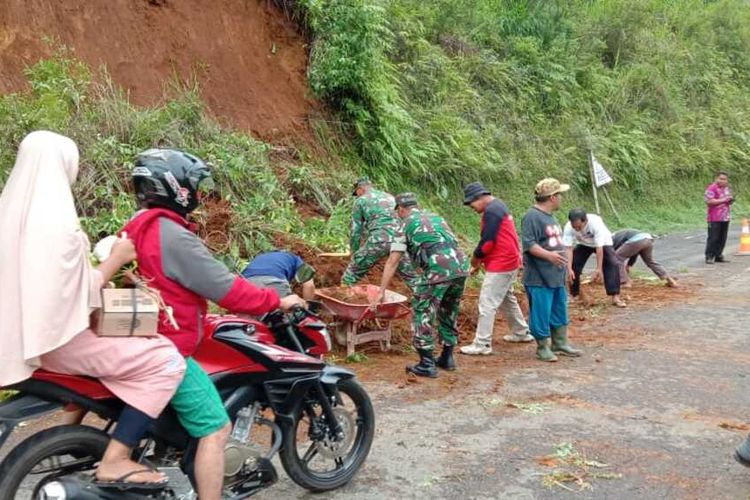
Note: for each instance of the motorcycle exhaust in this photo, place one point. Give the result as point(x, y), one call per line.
point(74, 489)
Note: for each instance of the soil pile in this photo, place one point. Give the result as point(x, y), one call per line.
point(248, 59)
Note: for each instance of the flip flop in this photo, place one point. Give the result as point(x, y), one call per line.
point(121, 483)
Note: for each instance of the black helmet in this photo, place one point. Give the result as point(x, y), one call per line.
point(170, 179)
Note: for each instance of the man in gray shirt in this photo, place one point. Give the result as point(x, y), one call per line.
point(545, 272)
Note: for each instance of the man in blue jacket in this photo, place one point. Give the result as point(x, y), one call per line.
point(278, 269)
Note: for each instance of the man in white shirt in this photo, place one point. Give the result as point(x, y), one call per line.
point(583, 235)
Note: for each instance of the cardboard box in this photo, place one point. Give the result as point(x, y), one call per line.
point(127, 312)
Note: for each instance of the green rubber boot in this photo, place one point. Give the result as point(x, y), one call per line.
point(543, 351)
point(560, 343)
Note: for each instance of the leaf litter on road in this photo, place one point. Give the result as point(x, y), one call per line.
point(573, 467)
point(531, 408)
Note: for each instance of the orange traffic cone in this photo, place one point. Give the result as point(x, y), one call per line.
point(744, 238)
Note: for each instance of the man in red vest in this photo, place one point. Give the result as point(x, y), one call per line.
point(174, 261)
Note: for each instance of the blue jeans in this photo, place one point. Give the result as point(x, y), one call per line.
point(548, 309)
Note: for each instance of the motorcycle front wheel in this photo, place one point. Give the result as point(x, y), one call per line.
point(315, 461)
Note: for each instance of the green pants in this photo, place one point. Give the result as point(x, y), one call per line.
point(370, 254)
point(197, 403)
point(440, 301)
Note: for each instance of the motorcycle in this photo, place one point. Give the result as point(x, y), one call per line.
point(274, 384)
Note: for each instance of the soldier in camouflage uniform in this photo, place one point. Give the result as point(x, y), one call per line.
point(432, 246)
point(374, 220)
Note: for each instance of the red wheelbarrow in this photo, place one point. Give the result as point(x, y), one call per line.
point(351, 312)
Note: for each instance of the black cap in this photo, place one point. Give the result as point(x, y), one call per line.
point(362, 181)
point(405, 200)
point(473, 191)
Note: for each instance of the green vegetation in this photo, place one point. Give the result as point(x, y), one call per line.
point(432, 95)
point(110, 132)
point(439, 93)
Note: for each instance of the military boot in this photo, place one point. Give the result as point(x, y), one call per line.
point(446, 361)
point(742, 453)
point(543, 351)
point(426, 366)
point(560, 342)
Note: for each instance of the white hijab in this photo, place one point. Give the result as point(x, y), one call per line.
point(45, 275)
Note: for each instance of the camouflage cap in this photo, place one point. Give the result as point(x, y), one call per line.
point(405, 200)
point(362, 181)
point(549, 187)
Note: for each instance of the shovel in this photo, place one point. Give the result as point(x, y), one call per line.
point(334, 254)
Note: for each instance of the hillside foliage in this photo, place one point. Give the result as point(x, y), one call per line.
point(263, 192)
point(440, 93)
point(427, 96)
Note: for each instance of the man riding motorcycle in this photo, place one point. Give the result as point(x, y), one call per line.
point(173, 260)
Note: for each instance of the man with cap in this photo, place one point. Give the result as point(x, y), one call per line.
point(545, 272)
point(433, 247)
point(500, 254)
point(374, 226)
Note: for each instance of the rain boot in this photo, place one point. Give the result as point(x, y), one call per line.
point(742, 453)
point(543, 351)
point(560, 342)
point(426, 366)
point(446, 361)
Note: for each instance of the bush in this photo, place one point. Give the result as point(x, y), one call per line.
point(436, 94)
point(110, 132)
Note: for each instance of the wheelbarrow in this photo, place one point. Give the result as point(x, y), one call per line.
point(350, 315)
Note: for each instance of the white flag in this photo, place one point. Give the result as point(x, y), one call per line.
point(601, 177)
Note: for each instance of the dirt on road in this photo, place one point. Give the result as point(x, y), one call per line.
point(653, 409)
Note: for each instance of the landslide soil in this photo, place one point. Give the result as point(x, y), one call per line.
point(247, 57)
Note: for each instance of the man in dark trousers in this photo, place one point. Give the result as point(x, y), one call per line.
point(499, 252)
point(430, 243)
point(719, 199)
point(583, 235)
point(545, 265)
point(630, 244)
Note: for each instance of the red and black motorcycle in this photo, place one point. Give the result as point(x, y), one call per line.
point(280, 394)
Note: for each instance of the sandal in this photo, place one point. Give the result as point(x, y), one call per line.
point(121, 483)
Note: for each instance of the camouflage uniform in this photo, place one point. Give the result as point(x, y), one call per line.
point(375, 220)
point(431, 244)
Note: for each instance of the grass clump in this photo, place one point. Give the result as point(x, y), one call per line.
point(109, 131)
point(437, 94)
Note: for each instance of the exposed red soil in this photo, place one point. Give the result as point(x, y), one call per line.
point(214, 218)
point(248, 58)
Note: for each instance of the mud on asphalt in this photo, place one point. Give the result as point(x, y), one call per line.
point(653, 409)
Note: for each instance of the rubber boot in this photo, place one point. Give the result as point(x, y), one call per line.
point(543, 351)
point(742, 453)
point(446, 361)
point(560, 342)
point(426, 366)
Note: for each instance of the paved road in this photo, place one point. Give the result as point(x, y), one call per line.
point(661, 397)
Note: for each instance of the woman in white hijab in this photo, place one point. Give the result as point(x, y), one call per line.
point(48, 290)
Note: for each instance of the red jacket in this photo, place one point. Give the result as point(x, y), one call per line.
point(174, 261)
point(498, 248)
